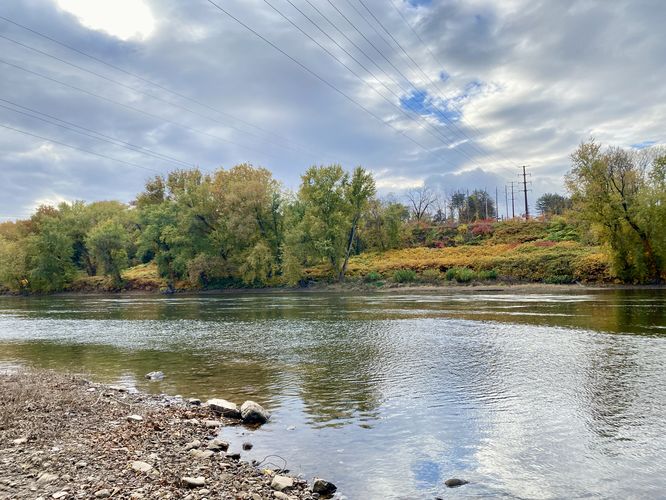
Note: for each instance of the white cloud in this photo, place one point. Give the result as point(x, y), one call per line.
point(123, 19)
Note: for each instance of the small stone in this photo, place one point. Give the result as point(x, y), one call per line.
point(282, 496)
point(155, 376)
point(59, 494)
point(91, 389)
point(199, 454)
point(218, 445)
point(192, 445)
point(224, 408)
point(135, 418)
point(80, 464)
point(247, 446)
point(233, 456)
point(118, 388)
point(20, 441)
point(46, 477)
point(194, 401)
point(254, 413)
point(193, 482)
point(212, 423)
point(104, 493)
point(140, 466)
point(455, 482)
point(323, 487)
point(281, 483)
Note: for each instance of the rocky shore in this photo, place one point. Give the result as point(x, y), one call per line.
point(64, 437)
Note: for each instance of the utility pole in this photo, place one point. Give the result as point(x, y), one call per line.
point(506, 200)
point(527, 210)
point(496, 205)
point(513, 202)
point(485, 192)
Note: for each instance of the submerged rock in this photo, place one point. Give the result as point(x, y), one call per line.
point(155, 376)
point(254, 413)
point(247, 446)
point(224, 408)
point(455, 482)
point(323, 487)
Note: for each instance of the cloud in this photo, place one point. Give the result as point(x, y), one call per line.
point(523, 81)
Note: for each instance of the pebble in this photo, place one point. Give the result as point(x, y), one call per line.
point(194, 482)
point(247, 446)
point(46, 477)
point(80, 464)
point(198, 454)
point(192, 445)
point(20, 441)
point(194, 401)
point(104, 493)
point(155, 376)
point(135, 418)
point(218, 445)
point(118, 388)
point(212, 423)
point(140, 466)
point(281, 496)
point(323, 487)
point(281, 483)
point(59, 494)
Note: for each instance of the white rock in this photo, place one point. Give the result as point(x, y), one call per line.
point(218, 445)
point(282, 496)
point(192, 445)
point(20, 441)
point(140, 466)
point(59, 494)
point(281, 483)
point(103, 493)
point(194, 482)
point(200, 454)
point(155, 376)
point(46, 477)
point(135, 418)
point(212, 423)
point(224, 408)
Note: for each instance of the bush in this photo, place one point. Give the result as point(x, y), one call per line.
point(404, 276)
point(372, 276)
point(488, 274)
point(431, 276)
point(460, 274)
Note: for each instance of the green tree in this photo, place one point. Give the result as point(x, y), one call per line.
point(550, 204)
point(108, 242)
point(49, 255)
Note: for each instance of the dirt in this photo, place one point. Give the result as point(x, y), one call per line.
point(64, 437)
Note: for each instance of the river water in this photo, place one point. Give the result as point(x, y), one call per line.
point(559, 395)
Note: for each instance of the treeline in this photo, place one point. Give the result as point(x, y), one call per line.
point(239, 227)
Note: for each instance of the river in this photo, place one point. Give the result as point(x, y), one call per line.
point(531, 395)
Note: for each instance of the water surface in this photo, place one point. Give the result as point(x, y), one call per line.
point(388, 395)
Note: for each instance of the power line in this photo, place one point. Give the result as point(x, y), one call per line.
point(136, 90)
point(127, 106)
point(316, 75)
point(381, 53)
point(150, 82)
point(78, 148)
point(444, 117)
point(93, 134)
point(342, 63)
point(443, 94)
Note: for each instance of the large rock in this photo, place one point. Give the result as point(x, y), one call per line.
point(254, 413)
point(155, 376)
point(281, 483)
point(323, 487)
point(224, 408)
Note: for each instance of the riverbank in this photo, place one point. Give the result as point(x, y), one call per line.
point(64, 437)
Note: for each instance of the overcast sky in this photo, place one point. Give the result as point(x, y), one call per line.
point(456, 94)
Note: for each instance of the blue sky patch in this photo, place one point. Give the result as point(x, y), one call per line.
point(643, 145)
point(421, 103)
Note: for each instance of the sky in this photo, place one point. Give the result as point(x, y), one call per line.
point(97, 96)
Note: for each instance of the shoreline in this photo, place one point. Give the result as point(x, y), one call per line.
point(356, 287)
point(64, 437)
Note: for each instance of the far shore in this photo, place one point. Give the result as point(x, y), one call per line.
point(360, 287)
